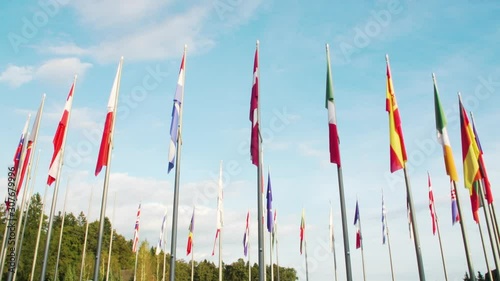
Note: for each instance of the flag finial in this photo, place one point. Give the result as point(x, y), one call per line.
point(387, 58)
point(257, 42)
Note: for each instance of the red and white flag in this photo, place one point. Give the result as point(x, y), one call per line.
point(136, 230)
point(59, 138)
point(107, 134)
point(431, 205)
point(254, 108)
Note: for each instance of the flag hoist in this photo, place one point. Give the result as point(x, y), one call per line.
point(174, 155)
point(398, 160)
point(451, 171)
point(104, 159)
point(334, 143)
point(56, 168)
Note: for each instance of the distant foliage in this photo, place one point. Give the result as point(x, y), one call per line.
point(150, 266)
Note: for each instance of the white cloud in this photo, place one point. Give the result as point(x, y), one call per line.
point(15, 75)
point(50, 71)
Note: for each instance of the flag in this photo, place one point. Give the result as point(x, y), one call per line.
point(254, 108)
point(474, 201)
point(358, 229)
point(482, 166)
point(59, 138)
point(302, 230)
point(190, 236)
point(269, 198)
point(431, 205)
point(136, 230)
point(161, 241)
point(384, 213)
point(410, 221)
point(220, 210)
point(454, 208)
point(176, 111)
point(19, 150)
point(29, 147)
point(398, 151)
point(332, 119)
point(246, 236)
point(470, 156)
point(332, 237)
point(442, 135)
point(275, 229)
point(108, 131)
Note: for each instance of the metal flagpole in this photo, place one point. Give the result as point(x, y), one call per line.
point(220, 255)
point(307, 266)
point(164, 252)
point(389, 247)
point(484, 249)
point(135, 266)
point(111, 239)
point(362, 252)
point(54, 195)
point(271, 255)
point(106, 176)
point(62, 230)
point(82, 268)
point(332, 242)
point(491, 236)
point(249, 266)
point(173, 246)
point(40, 222)
point(32, 187)
point(192, 260)
point(440, 243)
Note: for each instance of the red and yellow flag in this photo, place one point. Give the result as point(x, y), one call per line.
point(470, 150)
point(398, 150)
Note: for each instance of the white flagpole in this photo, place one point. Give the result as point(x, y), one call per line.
point(62, 230)
point(136, 257)
point(164, 249)
point(276, 241)
point(40, 222)
point(111, 239)
point(220, 221)
point(56, 189)
point(82, 268)
point(107, 174)
point(307, 266)
point(32, 187)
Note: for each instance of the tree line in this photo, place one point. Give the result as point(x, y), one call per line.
point(149, 265)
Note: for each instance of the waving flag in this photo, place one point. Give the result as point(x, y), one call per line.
point(190, 236)
point(454, 208)
point(269, 198)
point(19, 150)
point(109, 125)
point(136, 230)
point(161, 241)
point(431, 205)
point(246, 236)
point(31, 143)
point(176, 111)
point(398, 150)
point(254, 108)
point(220, 210)
point(442, 135)
point(59, 138)
point(482, 166)
point(302, 230)
point(332, 119)
point(275, 229)
point(358, 228)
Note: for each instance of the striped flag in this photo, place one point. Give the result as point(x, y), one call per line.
point(19, 150)
point(176, 111)
point(59, 138)
point(358, 229)
point(160, 246)
point(108, 131)
point(136, 230)
point(189, 247)
point(442, 135)
point(454, 208)
point(30, 145)
point(332, 119)
point(431, 205)
point(487, 185)
point(254, 108)
point(398, 151)
point(246, 236)
point(302, 230)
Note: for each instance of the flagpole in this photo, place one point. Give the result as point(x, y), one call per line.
point(31, 184)
point(486, 216)
point(484, 248)
point(62, 230)
point(82, 268)
point(192, 260)
point(135, 266)
point(389, 247)
point(249, 266)
point(164, 255)
point(440, 243)
point(111, 239)
point(106, 178)
point(362, 252)
point(220, 255)
point(54, 194)
point(173, 246)
point(307, 266)
point(37, 243)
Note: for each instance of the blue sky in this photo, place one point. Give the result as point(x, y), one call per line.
point(43, 48)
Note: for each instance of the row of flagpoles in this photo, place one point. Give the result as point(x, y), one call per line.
point(475, 177)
